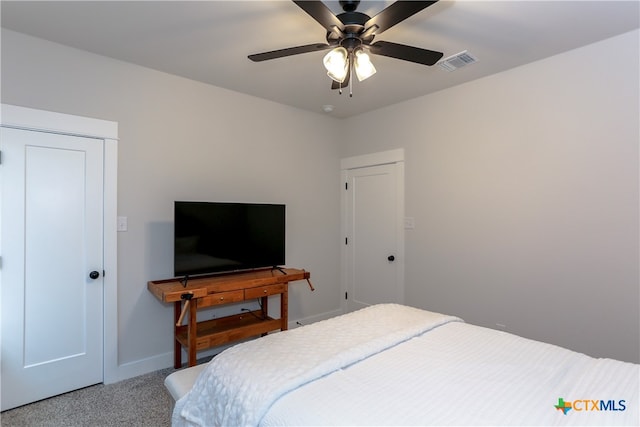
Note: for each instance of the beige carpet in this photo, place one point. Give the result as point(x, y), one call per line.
point(139, 401)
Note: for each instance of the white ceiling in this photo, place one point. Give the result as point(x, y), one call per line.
point(209, 41)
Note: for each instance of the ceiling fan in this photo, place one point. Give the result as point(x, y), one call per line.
point(350, 37)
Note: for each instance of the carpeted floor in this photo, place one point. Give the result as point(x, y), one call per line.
point(139, 401)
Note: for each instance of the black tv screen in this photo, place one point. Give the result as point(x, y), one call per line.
point(214, 237)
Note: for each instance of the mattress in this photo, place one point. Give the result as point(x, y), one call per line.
point(396, 365)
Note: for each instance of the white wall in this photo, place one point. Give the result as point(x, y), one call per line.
point(524, 190)
point(184, 140)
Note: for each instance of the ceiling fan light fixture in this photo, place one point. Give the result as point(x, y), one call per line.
point(337, 63)
point(363, 65)
point(349, 38)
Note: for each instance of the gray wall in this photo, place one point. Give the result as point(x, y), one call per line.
point(183, 140)
point(524, 190)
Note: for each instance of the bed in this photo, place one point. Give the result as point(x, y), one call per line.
point(390, 364)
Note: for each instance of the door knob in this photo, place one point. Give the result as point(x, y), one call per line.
point(94, 275)
point(391, 258)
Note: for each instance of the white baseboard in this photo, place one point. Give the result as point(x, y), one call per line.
point(141, 367)
point(155, 363)
point(165, 360)
point(312, 319)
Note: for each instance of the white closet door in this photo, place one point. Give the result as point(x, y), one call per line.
point(373, 246)
point(52, 240)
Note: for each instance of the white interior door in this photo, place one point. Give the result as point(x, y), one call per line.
point(52, 240)
point(374, 244)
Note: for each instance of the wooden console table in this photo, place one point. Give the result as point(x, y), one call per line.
point(223, 289)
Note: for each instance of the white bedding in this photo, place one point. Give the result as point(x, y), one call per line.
point(460, 374)
point(240, 384)
point(404, 366)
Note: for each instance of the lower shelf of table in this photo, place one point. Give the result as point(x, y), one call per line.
point(220, 331)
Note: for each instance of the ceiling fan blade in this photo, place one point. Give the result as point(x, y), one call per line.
point(321, 13)
point(281, 53)
point(395, 13)
point(406, 53)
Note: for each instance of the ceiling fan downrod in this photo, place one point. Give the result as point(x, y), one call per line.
point(349, 5)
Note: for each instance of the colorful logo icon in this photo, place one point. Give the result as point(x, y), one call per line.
point(563, 406)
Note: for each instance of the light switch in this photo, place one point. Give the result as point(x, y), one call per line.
point(122, 223)
point(409, 223)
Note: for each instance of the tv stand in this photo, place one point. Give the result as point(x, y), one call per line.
point(202, 292)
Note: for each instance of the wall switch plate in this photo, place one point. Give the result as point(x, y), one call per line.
point(122, 223)
point(409, 223)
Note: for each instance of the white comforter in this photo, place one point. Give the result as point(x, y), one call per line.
point(460, 374)
point(240, 384)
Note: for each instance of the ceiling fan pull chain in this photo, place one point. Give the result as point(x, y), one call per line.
point(351, 75)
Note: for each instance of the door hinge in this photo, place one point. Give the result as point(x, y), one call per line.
point(0, 157)
point(346, 241)
point(346, 185)
point(345, 295)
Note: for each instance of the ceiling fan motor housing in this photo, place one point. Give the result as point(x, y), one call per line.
point(351, 36)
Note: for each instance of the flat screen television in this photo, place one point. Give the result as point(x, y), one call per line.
point(216, 237)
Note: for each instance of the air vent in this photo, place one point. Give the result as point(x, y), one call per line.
point(456, 61)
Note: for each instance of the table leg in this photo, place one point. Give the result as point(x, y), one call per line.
point(264, 303)
point(192, 331)
point(284, 308)
point(177, 347)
